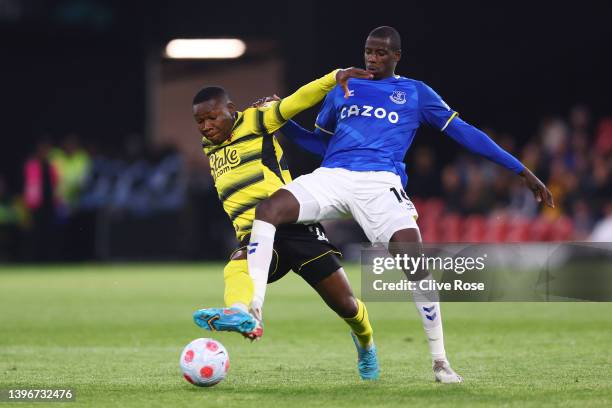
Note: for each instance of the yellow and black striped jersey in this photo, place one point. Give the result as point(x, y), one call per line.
point(249, 166)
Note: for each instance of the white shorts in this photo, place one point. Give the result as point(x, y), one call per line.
point(375, 199)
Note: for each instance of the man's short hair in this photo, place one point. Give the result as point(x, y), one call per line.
point(384, 32)
point(208, 93)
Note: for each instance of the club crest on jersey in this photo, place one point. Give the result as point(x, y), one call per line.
point(398, 97)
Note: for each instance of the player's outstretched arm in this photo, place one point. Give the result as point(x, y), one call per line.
point(313, 142)
point(311, 94)
point(478, 142)
point(435, 112)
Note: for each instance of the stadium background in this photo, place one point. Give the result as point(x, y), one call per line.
point(85, 86)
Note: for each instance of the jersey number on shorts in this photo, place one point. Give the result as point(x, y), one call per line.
point(402, 194)
point(320, 234)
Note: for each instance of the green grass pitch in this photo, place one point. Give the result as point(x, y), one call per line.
point(114, 334)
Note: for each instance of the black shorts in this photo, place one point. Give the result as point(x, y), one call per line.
point(303, 249)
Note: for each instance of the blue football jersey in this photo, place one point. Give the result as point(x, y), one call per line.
point(375, 126)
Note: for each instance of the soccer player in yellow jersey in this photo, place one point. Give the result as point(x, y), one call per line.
point(247, 165)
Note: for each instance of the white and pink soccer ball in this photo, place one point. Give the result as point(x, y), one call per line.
point(204, 362)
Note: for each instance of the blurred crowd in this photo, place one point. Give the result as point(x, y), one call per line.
point(475, 200)
point(81, 203)
point(66, 188)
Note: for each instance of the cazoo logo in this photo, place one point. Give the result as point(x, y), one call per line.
point(223, 161)
point(368, 111)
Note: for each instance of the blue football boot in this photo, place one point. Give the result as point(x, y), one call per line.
point(367, 361)
point(225, 319)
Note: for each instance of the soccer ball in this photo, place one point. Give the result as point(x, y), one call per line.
point(204, 362)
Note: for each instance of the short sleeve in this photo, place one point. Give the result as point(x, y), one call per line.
point(433, 110)
point(326, 119)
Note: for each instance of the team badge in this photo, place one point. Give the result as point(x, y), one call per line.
point(398, 97)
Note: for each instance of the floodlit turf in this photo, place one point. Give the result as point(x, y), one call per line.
point(114, 334)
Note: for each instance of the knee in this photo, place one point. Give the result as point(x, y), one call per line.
point(409, 236)
point(269, 211)
point(281, 208)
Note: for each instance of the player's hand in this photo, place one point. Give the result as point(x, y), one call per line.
point(262, 101)
point(343, 75)
point(540, 192)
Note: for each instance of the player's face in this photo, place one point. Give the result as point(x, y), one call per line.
point(215, 119)
point(380, 59)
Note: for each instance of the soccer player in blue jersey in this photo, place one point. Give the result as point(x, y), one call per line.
point(364, 138)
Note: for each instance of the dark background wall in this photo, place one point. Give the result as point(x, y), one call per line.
point(81, 64)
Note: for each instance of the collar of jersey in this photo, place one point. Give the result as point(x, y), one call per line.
point(238, 120)
point(389, 79)
point(237, 123)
